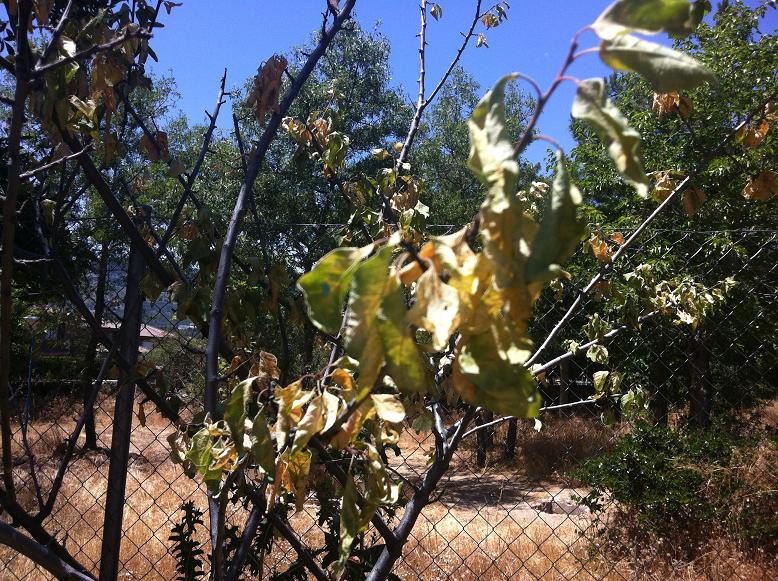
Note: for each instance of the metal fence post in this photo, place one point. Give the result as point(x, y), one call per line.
point(129, 339)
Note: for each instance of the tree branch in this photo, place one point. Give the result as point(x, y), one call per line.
point(39, 554)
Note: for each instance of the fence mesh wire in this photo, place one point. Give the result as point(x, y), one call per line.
point(510, 506)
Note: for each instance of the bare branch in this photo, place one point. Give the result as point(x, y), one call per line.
point(56, 162)
point(239, 210)
point(56, 34)
point(302, 552)
point(39, 554)
point(421, 102)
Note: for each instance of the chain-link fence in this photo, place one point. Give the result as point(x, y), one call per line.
point(625, 474)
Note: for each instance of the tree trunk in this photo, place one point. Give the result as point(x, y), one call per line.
point(510, 438)
point(90, 362)
point(484, 438)
point(699, 378)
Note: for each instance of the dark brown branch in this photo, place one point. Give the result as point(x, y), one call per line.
point(39, 554)
point(55, 34)
point(257, 157)
point(192, 176)
point(302, 552)
point(13, 161)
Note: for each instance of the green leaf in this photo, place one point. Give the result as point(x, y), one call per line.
point(665, 68)
point(623, 141)
point(235, 411)
point(493, 377)
point(262, 444)
point(199, 453)
point(326, 285)
point(676, 17)
point(559, 232)
point(349, 521)
point(403, 358)
point(361, 339)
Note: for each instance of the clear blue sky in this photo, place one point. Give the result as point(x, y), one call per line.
point(202, 37)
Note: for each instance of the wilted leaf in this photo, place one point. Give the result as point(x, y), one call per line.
point(622, 140)
point(481, 41)
point(762, 187)
point(156, 149)
point(403, 358)
point(493, 377)
point(597, 353)
point(266, 87)
point(753, 136)
point(436, 11)
point(618, 238)
point(388, 407)
point(665, 185)
point(666, 103)
point(349, 520)
point(665, 68)
point(600, 249)
point(311, 424)
point(693, 198)
point(676, 17)
point(436, 308)
point(262, 444)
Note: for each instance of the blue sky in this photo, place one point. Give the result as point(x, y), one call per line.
point(203, 37)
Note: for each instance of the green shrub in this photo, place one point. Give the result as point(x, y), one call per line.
point(670, 482)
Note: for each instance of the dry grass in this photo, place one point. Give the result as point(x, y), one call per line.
point(482, 527)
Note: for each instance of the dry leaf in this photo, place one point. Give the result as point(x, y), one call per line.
point(665, 103)
point(264, 94)
point(600, 249)
point(665, 185)
point(154, 150)
point(753, 136)
point(762, 187)
point(693, 198)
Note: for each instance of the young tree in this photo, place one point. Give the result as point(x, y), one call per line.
point(432, 328)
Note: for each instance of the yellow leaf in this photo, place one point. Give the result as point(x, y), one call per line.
point(436, 308)
point(388, 407)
